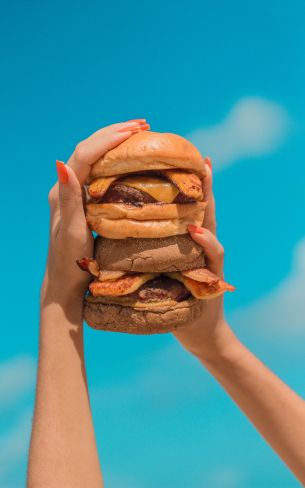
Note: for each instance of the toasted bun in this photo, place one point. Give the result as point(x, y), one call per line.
point(123, 228)
point(174, 253)
point(146, 320)
point(149, 151)
point(149, 211)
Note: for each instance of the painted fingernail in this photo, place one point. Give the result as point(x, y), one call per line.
point(62, 172)
point(128, 126)
point(195, 229)
point(145, 127)
point(140, 121)
point(140, 128)
point(133, 126)
point(209, 163)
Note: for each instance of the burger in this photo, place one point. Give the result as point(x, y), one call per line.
point(147, 303)
point(150, 186)
point(148, 275)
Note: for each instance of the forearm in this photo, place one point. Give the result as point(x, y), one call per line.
point(63, 449)
point(276, 411)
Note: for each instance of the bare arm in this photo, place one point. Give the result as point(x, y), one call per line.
point(63, 450)
point(275, 410)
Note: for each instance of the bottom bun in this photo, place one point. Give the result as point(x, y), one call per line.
point(157, 320)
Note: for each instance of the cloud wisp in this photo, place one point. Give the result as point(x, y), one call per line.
point(17, 378)
point(14, 445)
point(254, 127)
point(283, 309)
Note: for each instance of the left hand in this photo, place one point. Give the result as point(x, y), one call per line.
point(70, 237)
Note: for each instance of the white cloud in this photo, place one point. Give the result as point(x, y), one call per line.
point(14, 445)
point(17, 378)
point(113, 479)
point(254, 127)
point(224, 477)
point(283, 309)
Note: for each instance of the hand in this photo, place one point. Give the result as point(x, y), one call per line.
point(209, 334)
point(70, 237)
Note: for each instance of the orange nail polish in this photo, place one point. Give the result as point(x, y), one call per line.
point(140, 127)
point(62, 172)
point(209, 163)
point(131, 126)
point(195, 229)
point(141, 121)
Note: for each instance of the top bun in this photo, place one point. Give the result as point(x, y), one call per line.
point(149, 151)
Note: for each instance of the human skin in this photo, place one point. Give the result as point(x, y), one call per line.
point(276, 411)
point(63, 450)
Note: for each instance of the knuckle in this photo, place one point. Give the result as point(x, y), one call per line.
point(52, 196)
point(220, 251)
point(80, 152)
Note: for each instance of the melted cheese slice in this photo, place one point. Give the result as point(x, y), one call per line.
point(209, 286)
point(105, 275)
point(160, 189)
point(90, 265)
point(127, 301)
point(121, 286)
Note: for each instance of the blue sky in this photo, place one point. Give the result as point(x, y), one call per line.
point(230, 76)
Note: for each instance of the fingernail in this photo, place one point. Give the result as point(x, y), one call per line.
point(130, 126)
point(140, 121)
point(195, 229)
point(209, 163)
point(62, 172)
point(140, 128)
point(144, 127)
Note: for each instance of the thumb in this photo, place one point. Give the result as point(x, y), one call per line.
point(69, 193)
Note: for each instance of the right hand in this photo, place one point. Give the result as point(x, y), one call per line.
point(207, 336)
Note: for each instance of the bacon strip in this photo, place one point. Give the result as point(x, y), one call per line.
point(90, 265)
point(122, 286)
point(188, 183)
point(99, 186)
point(206, 285)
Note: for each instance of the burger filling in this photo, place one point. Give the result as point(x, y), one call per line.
point(161, 288)
point(169, 186)
point(129, 288)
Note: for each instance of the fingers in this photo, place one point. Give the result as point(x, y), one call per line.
point(209, 221)
point(213, 250)
point(69, 197)
point(91, 149)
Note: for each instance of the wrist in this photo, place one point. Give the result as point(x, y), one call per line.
point(57, 295)
point(220, 347)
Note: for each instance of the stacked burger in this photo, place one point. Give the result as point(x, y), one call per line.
point(148, 275)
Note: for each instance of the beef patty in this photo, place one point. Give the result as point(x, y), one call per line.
point(120, 193)
point(161, 288)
